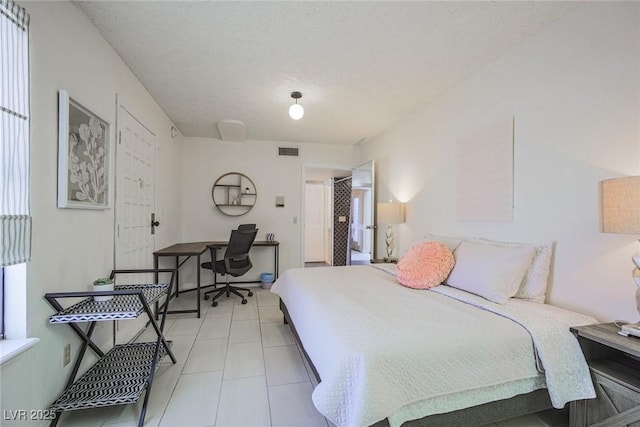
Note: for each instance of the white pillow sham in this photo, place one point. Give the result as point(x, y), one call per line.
point(450, 242)
point(491, 271)
point(536, 278)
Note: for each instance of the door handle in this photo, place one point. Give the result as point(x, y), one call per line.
point(154, 223)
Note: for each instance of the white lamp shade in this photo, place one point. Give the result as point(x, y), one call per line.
point(620, 205)
point(296, 111)
point(390, 213)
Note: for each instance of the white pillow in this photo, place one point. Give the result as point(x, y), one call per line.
point(536, 278)
point(450, 242)
point(491, 271)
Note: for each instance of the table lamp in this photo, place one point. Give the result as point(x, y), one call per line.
point(390, 213)
point(620, 210)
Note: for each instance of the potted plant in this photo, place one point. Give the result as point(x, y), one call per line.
point(103, 284)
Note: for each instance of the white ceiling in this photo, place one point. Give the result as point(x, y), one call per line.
point(361, 66)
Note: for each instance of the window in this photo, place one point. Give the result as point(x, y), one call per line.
point(15, 219)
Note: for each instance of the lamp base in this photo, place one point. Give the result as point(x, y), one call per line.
point(632, 329)
point(626, 330)
point(389, 241)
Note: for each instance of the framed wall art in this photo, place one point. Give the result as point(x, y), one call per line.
point(83, 156)
point(485, 173)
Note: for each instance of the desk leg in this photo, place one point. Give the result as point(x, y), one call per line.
point(213, 264)
point(277, 259)
point(198, 282)
point(155, 266)
point(155, 280)
point(177, 276)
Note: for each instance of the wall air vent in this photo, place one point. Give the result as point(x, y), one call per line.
point(287, 151)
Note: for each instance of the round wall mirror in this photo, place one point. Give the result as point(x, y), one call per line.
point(234, 194)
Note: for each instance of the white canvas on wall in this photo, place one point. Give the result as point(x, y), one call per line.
point(485, 173)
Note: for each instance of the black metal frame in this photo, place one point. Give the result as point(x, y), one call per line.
point(93, 318)
point(178, 292)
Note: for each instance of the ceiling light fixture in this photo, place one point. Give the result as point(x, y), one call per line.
point(296, 111)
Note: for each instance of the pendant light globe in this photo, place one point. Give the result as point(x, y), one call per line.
point(296, 111)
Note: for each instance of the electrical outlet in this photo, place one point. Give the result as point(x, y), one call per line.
point(66, 355)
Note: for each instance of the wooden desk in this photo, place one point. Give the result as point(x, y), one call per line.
point(196, 249)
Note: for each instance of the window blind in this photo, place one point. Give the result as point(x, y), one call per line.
point(15, 218)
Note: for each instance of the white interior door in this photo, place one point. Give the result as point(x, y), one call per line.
point(135, 193)
point(135, 202)
point(314, 236)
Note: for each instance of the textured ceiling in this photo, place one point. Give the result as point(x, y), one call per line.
point(361, 66)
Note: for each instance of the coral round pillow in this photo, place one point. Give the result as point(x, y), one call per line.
point(425, 265)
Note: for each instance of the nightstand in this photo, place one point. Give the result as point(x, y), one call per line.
point(614, 362)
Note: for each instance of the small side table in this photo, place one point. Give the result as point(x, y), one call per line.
point(614, 362)
point(124, 373)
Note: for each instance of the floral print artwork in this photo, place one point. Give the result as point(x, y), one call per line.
point(87, 162)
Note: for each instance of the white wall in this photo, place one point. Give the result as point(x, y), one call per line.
point(71, 247)
point(574, 91)
point(206, 159)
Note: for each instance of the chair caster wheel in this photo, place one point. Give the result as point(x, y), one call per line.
point(244, 301)
point(250, 293)
point(206, 297)
point(214, 304)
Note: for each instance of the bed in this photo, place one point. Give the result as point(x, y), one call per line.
point(385, 354)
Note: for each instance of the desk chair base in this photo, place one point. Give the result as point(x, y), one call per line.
point(228, 289)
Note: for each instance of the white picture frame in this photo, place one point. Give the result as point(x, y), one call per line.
point(84, 160)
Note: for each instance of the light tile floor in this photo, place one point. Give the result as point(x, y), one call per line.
point(238, 365)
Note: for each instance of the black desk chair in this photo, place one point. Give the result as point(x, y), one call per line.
point(236, 261)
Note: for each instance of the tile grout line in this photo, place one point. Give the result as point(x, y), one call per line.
point(264, 362)
point(226, 353)
point(182, 374)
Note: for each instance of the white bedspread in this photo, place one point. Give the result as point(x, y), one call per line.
point(386, 351)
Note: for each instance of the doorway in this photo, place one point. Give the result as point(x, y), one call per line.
point(360, 241)
point(363, 220)
point(315, 230)
point(319, 215)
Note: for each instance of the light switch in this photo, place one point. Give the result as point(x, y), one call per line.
point(279, 201)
